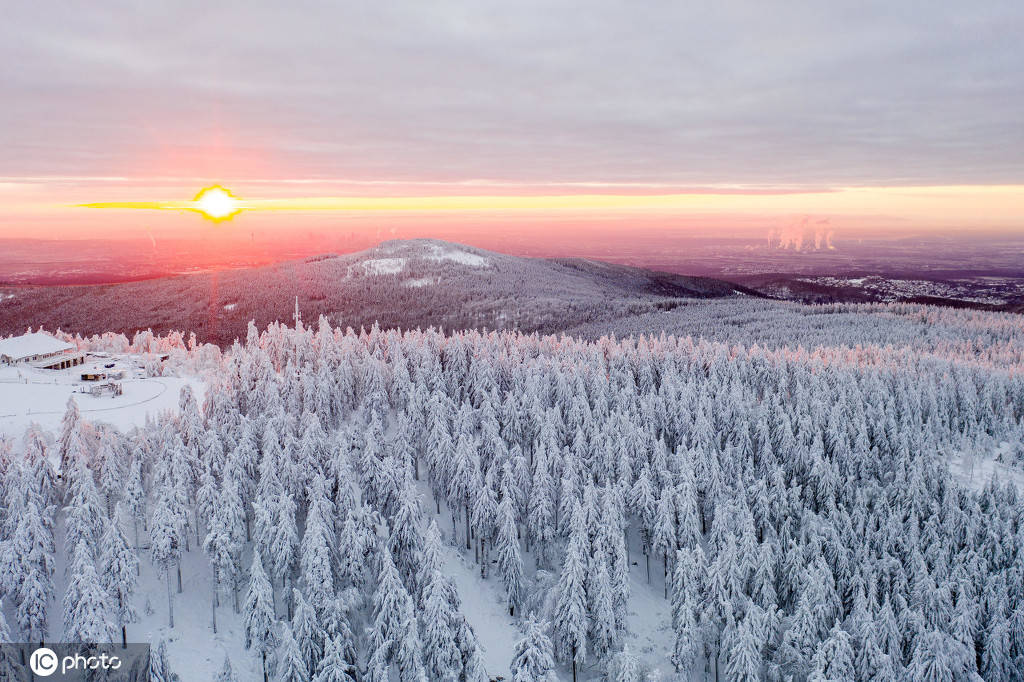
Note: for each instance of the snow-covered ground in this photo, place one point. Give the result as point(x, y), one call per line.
point(384, 266)
point(974, 471)
point(458, 256)
point(30, 395)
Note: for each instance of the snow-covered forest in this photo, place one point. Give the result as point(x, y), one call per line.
point(761, 512)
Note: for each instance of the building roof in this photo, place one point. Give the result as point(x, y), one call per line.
point(36, 343)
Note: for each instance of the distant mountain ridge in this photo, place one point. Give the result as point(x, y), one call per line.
point(404, 283)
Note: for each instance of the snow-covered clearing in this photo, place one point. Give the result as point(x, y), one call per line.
point(420, 282)
point(40, 396)
point(459, 256)
point(384, 266)
point(975, 471)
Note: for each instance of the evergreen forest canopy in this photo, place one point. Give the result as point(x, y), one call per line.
point(794, 507)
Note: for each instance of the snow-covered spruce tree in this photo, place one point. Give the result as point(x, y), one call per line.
point(69, 446)
point(119, 572)
point(258, 613)
point(86, 603)
point(85, 518)
point(308, 633)
point(644, 505)
point(134, 498)
point(741, 645)
point(406, 538)
point(38, 469)
point(335, 666)
point(284, 550)
point(291, 665)
point(541, 506)
point(391, 602)
point(316, 551)
point(570, 617)
point(533, 660)
point(626, 667)
point(483, 510)
point(509, 555)
point(441, 656)
point(165, 537)
point(30, 555)
point(663, 540)
point(833, 659)
point(686, 591)
point(224, 542)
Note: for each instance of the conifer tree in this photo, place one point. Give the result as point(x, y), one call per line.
point(510, 561)
point(86, 602)
point(119, 570)
point(570, 619)
point(291, 667)
point(259, 613)
point(165, 539)
point(307, 631)
point(335, 667)
point(533, 660)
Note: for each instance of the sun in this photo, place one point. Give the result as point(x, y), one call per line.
point(217, 203)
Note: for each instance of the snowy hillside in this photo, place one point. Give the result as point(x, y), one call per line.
point(417, 505)
point(407, 284)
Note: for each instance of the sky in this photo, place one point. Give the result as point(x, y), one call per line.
point(728, 116)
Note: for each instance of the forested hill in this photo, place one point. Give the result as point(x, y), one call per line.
point(407, 284)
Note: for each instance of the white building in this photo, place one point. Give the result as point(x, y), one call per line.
point(39, 350)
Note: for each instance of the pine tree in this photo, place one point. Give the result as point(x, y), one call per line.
point(335, 667)
point(510, 560)
point(224, 543)
point(259, 612)
point(285, 544)
point(664, 538)
point(31, 555)
point(410, 663)
point(316, 552)
point(533, 660)
point(119, 571)
point(833, 659)
point(602, 631)
point(291, 667)
point(85, 520)
point(390, 602)
point(165, 537)
point(309, 635)
point(441, 655)
point(570, 619)
point(686, 594)
point(86, 602)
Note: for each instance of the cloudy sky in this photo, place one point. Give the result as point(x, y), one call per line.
point(110, 99)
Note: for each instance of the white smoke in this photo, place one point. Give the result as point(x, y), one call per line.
point(804, 234)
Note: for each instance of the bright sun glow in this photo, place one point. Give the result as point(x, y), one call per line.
point(217, 203)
